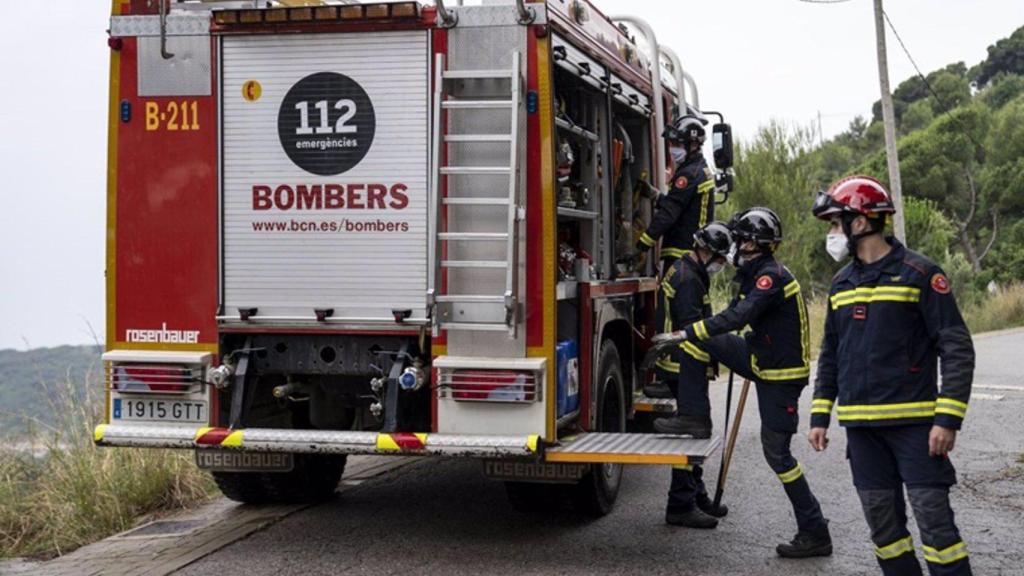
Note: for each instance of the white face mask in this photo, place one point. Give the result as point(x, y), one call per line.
point(838, 246)
point(715, 267)
point(678, 155)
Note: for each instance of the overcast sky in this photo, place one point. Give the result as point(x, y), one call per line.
point(753, 59)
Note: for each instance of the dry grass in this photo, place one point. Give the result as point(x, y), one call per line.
point(58, 491)
point(999, 311)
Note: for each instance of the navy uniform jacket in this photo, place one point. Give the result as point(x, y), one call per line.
point(771, 303)
point(888, 324)
point(688, 207)
point(686, 300)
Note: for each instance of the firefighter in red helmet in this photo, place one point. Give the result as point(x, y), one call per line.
point(891, 319)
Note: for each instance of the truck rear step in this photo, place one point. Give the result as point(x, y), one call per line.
point(622, 448)
point(643, 403)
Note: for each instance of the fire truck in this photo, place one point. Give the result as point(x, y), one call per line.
point(342, 228)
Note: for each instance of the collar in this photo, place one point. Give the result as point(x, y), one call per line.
point(892, 262)
point(691, 262)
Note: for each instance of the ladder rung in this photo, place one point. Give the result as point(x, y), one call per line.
point(476, 170)
point(474, 264)
point(476, 74)
point(475, 104)
point(466, 327)
point(476, 201)
point(478, 138)
point(470, 299)
point(473, 236)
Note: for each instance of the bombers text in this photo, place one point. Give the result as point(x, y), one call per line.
point(330, 197)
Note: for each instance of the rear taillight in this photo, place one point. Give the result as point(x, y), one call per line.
point(154, 378)
point(492, 386)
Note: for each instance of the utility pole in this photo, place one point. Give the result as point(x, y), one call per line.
point(895, 186)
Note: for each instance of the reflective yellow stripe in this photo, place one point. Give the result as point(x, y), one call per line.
point(202, 432)
point(531, 443)
point(386, 443)
point(777, 374)
point(234, 440)
point(668, 365)
point(667, 325)
point(706, 186)
point(647, 240)
point(821, 406)
point(951, 407)
point(805, 328)
point(793, 475)
point(952, 403)
point(866, 295)
point(887, 411)
point(669, 290)
point(949, 555)
point(674, 252)
point(687, 467)
point(896, 549)
point(691, 349)
point(791, 289)
point(701, 331)
point(705, 202)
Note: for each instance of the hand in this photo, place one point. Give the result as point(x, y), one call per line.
point(941, 441)
point(662, 344)
point(818, 437)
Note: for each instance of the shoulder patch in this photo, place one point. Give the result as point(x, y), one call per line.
point(765, 283)
point(940, 283)
point(682, 182)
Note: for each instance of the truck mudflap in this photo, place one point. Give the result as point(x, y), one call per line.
point(318, 441)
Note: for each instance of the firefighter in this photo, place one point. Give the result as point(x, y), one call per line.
point(774, 355)
point(891, 317)
point(690, 203)
point(686, 300)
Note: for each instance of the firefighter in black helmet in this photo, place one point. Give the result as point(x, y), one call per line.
point(690, 203)
point(685, 293)
point(775, 355)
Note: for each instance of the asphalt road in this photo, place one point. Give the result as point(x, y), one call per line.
point(443, 517)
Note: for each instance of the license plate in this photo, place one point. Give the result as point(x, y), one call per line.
point(222, 461)
point(159, 410)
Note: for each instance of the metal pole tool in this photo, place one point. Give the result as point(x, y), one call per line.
point(723, 470)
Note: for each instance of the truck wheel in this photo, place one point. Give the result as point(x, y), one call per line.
point(313, 479)
point(596, 492)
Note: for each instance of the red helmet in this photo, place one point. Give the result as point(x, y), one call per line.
point(859, 195)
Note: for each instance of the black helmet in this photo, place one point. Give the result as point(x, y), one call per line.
point(759, 225)
point(688, 128)
point(714, 238)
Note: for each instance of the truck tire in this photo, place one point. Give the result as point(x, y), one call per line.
point(595, 494)
point(313, 479)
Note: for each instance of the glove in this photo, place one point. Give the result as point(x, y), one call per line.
point(661, 345)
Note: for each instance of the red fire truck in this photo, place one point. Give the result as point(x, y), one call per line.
point(339, 228)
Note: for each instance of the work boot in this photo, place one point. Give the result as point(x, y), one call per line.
point(692, 519)
point(707, 506)
point(658, 390)
point(684, 425)
point(807, 545)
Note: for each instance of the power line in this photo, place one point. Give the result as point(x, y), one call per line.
point(824, 1)
point(945, 106)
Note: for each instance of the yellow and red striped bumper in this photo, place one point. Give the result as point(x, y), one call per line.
point(317, 441)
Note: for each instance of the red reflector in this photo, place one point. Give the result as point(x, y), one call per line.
point(154, 378)
point(494, 385)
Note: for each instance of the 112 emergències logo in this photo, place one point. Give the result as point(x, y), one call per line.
point(326, 123)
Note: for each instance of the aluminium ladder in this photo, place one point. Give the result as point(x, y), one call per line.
point(475, 312)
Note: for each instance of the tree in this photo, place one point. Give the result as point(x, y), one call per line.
point(918, 116)
point(1002, 89)
point(1006, 55)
